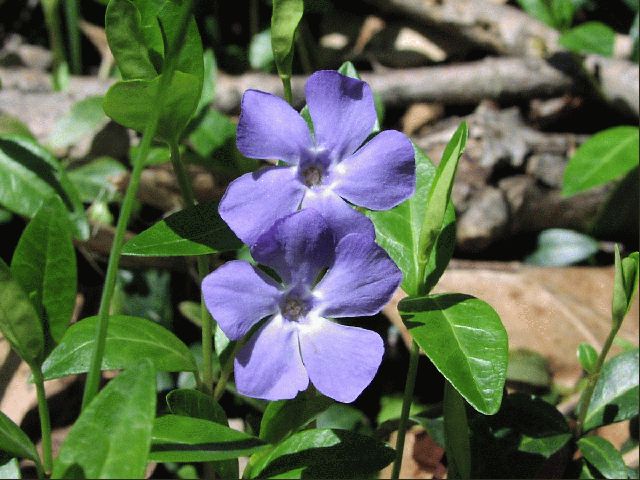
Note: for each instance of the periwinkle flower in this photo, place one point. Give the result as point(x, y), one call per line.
point(321, 277)
point(323, 168)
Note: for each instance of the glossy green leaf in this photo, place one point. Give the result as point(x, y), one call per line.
point(178, 438)
point(123, 26)
point(85, 118)
point(127, 102)
point(604, 157)
point(10, 469)
point(44, 264)
point(210, 76)
point(284, 417)
point(190, 56)
point(196, 230)
point(398, 230)
point(343, 417)
point(30, 176)
point(558, 247)
point(128, 340)
point(111, 438)
point(603, 456)
point(19, 322)
point(324, 454)
point(615, 397)
point(195, 404)
point(465, 339)
point(14, 441)
point(284, 22)
point(624, 286)
point(587, 356)
point(590, 37)
point(96, 179)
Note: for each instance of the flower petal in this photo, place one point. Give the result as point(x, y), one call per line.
point(269, 366)
point(379, 175)
point(340, 361)
point(270, 128)
point(342, 219)
point(255, 200)
point(360, 282)
point(342, 111)
point(297, 247)
point(238, 296)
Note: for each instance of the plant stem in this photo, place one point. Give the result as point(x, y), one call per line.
point(406, 407)
point(45, 423)
point(71, 8)
point(456, 433)
point(286, 82)
point(203, 269)
point(94, 374)
point(51, 12)
point(593, 379)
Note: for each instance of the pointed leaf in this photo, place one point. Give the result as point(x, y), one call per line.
point(324, 454)
point(590, 37)
point(184, 439)
point(96, 180)
point(44, 264)
point(111, 438)
point(284, 23)
point(284, 417)
point(128, 340)
point(615, 397)
point(603, 456)
point(85, 118)
point(604, 157)
point(587, 356)
point(30, 176)
point(14, 441)
point(560, 247)
point(19, 322)
point(196, 230)
point(465, 339)
point(398, 231)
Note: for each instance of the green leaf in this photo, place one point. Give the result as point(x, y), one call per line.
point(95, 180)
point(343, 417)
point(214, 131)
point(19, 322)
point(30, 176)
point(12, 125)
point(127, 102)
point(210, 74)
point(465, 339)
point(604, 157)
point(128, 340)
point(528, 367)
point(558, 247)
point(111, 437)
point(184, 439)
point(196, 230)
point(44, 264)
point(123, 26)
point(14, 441)
point(85, 118)
point(10, 469)
point(538, 9)
point(398, 231)
point(456, 431)
point(615, 397)
point(590, 37)
point(260, 52)
point(284, 22)
point(195, 404)
point(624, 286)
point(587, 356)
point(603, 456)
point(563, 12)
point(284, 417)
point(324, 454)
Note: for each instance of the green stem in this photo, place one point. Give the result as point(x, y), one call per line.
point(203, 269)
point(406, 407)
point(51, 12)
point(94, 374)
point(592, 380)
point(45, 423)
point(456, 430)
point(286, 83)
point(71, 8)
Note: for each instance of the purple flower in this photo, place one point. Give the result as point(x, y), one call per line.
point(324, 168)
point(298, 343)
